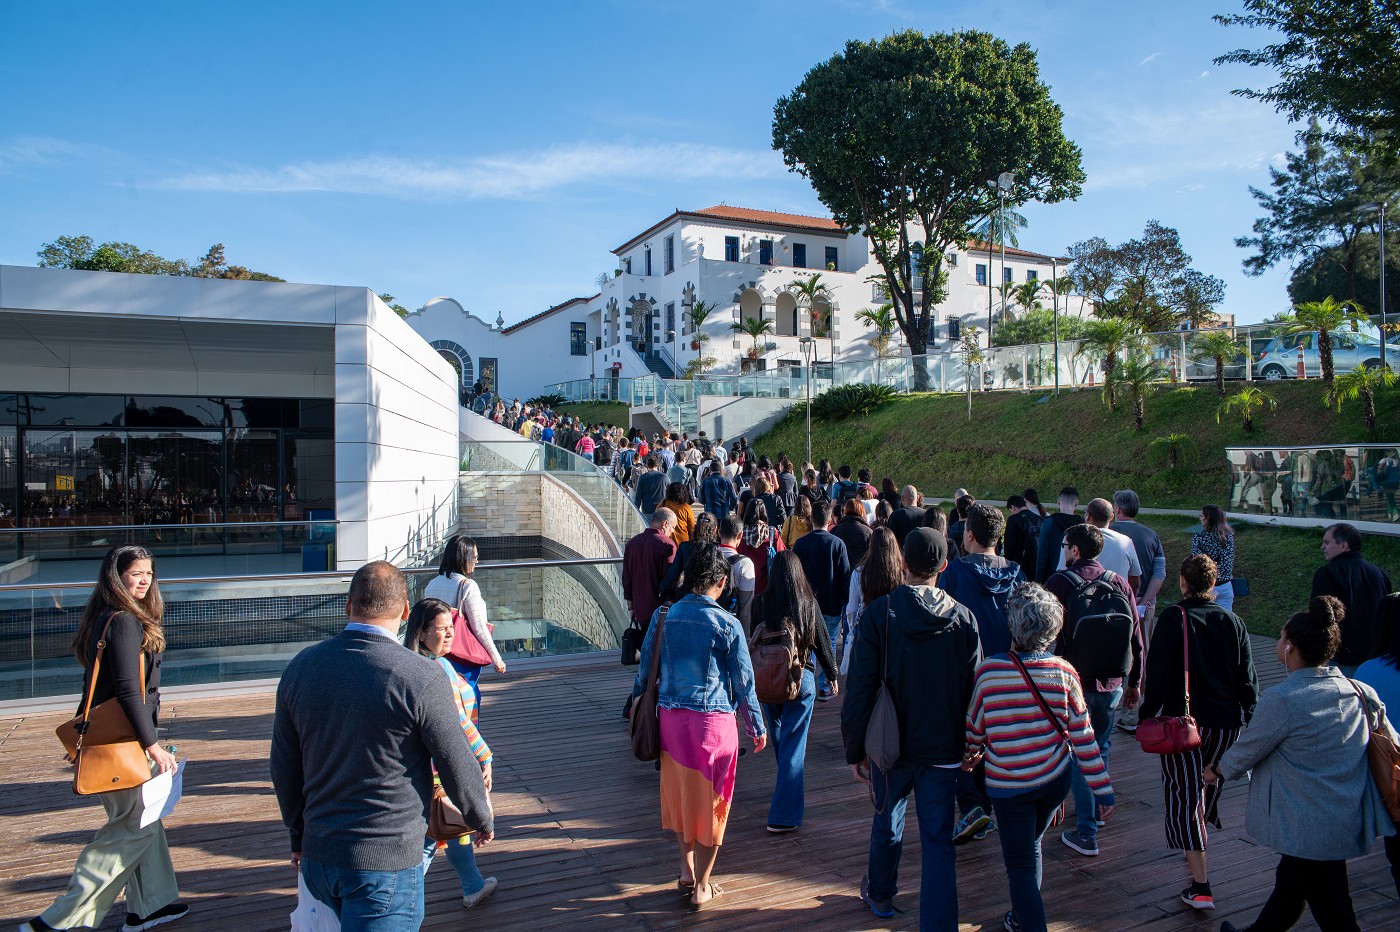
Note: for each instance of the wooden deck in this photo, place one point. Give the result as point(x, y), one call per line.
point(579, 841)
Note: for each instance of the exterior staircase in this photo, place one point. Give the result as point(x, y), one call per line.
point(659, 365)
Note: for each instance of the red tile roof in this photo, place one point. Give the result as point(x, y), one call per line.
point(750, 215)
point(979, 246)
point(543, 314)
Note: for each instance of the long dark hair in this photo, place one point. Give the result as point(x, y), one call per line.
point(789, 596)
point(424, 613)
point(109, 595)
point(1032, 497)
point(882, 570)
point(457, 555)
point(1216, 523)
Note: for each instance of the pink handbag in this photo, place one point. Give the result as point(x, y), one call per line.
point(1172, 734)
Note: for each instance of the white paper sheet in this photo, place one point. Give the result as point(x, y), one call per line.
point(160, 794)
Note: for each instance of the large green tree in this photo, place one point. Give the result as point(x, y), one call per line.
point(1334, 59)
point(1148, 280)
point(899, 137)
point(1321, 274)
point(81, 252)
point(1316, 208)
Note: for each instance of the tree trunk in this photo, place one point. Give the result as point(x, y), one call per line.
point(1173, 456)
point(1139, 410)
point(1220, 375)
point(1324, 354)
point(1368, 408)
point(1248, 422)
point(1109, 362)
point(917, 348)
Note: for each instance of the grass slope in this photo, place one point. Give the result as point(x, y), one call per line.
point(1014, 441)
point(598, 412)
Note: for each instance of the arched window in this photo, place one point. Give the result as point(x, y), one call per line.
point(750, 305)
point(786, 307)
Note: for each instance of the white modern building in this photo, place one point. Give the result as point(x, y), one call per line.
point(746, 265)
point(157, 400)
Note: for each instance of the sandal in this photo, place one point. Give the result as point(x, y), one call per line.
point(716, 891)
point(685, 889)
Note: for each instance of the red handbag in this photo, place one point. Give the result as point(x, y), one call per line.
point(464, 641)
point(1173, 734)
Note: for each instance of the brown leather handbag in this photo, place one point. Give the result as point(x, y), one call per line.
point(646, 724)
point(445, 821)
point(101, 741)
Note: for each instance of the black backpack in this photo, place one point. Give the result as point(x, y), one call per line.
point(603, 454)
point(729, 596)
point(845, 491)
point(1098, 634)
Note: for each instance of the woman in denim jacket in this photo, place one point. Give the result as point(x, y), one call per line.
point(705, 676)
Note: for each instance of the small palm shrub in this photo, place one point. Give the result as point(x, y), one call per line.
point(545, 401)
point(845, 401)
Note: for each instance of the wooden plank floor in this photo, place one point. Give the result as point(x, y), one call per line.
point(579, 839)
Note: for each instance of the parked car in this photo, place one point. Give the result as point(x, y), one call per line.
point(1279, 358)
point(1203, 370)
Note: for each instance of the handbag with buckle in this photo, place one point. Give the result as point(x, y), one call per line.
point(1173, 734)
point(472, 650)
point(445, 821)
point(101, 741)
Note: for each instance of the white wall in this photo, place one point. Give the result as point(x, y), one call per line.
point(731, 418)
point(396, 417)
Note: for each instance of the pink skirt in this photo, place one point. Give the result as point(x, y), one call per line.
point(699, 757)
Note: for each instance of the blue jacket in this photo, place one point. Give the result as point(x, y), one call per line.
point(983, 584)
point(717, 495)
point(827, 567)
point(705, 664)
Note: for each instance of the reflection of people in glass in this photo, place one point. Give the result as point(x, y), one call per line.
point(1388, 474)
point(1303, 466)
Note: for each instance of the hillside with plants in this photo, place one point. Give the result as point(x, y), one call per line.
point(1013, 440)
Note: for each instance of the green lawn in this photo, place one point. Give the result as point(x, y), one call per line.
point(598, 412)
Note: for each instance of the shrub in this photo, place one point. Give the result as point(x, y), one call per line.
point(849, 400)
point(545, 401)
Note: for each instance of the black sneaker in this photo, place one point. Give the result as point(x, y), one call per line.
point(36, 925)
point(160, 917)
point(1009, 923)
point(1197, 899)
point(972, 823)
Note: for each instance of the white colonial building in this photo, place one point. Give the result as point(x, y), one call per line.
point(746, 265)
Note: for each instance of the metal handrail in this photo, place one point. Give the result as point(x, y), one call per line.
point(159, 527)
point(344, 577)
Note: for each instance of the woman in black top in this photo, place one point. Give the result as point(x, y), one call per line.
point(789, 599)
point(812, 489)
point(126, 608)
point(1224, 691)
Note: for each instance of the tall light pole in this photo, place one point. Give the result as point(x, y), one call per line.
point(1379, 207)
point(1055, 316)
point(1005, 182)
point(808, 345)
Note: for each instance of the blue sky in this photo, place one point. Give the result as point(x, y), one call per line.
point(496, 152)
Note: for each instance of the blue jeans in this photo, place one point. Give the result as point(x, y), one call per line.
point(470, 672)
point(933, 789)
point(833, 631)
point(1021, 821)
point(461, 854)
point(368, 901)
point(1101, 706)
point(787, 730)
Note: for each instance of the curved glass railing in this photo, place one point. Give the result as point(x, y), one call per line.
point(236, 628)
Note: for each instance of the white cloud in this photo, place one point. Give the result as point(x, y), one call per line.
point(1206, 73)
point(40, 150)
point(507, 176)
point(1151, 58)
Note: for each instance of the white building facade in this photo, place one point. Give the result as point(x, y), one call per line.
point(746, 265)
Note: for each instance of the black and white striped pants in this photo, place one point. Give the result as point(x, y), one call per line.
point(1190, 803)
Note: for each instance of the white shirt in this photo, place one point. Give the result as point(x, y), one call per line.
point(744, 578)
point(1119, 554)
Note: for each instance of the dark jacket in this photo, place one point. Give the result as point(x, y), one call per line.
point(1052, 536)
point(904, 520)
point(1361, 585)
point(983, 584)
point(717, 495)
point(827, 567)
point(815, 493)
point(855, 534)
point(1061, 587)
point(650, 491)
point(787, 490)
point(359, 725)
point(933, 655)
point(120, 675)
point(777, 514)
point(1023, 540)
point(1224, 689)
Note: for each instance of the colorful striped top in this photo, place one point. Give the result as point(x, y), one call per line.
point(1023, 749)
point(465, 700)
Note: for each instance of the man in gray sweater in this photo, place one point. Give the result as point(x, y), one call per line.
point(360, 722)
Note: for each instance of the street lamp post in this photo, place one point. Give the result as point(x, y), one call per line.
point(807, 348)
point(1055, 316)
point(1373, 208)
point(1005, 182)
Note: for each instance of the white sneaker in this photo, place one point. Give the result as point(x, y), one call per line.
point(476, 898)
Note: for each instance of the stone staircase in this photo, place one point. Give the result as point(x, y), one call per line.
point(660, 366)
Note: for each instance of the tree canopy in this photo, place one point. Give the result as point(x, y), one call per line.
point(900, 136)
point(81, 252)
point(1148, 280)
point(1335, 60)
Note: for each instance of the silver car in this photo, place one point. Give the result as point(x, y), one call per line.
point(1279, 358)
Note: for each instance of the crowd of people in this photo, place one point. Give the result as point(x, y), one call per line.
point(982, 660)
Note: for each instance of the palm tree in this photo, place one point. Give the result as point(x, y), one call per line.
point(1027, 294)
point(1361, 384)
point(755, 327)
point(1217, 345)
point(1248, 400)
point(1001, 221)
point(1135, 375)
point(882, 319)
point(808, 291)
point(1108, 338)
point(696, 315)
point(1324, 316)
point(1175, 449)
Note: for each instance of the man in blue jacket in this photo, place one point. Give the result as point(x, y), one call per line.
point(717, 492)
point(827, 567)
point(981, 581)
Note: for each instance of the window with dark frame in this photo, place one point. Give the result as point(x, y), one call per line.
point(799, 255)
point(671, 316)
point(647, 254)
point(578, 339)
point(954, 328)
point(731, 249)
point(831, 262)
point(670, 254)
point(981, 273)
point(765, 252)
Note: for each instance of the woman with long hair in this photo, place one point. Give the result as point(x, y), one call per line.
point(812, 489)
point(852, 530)
point(1216, 539)
point(882, 514)
point(1224, 692)
point(120, 635)
point(799, 522)
point(825, 474)
point(888, 493)
point(679, 500)
point(454, 585)
point(759, 539)
point(430, 633)
point(705, 677)
point(1311, 795)
point(879, 573)
point(1032, 498)
point(789, 600)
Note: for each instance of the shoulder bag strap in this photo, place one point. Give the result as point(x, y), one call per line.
point(656, 655)
point(1186, 657)
point(1372, 724)
point(97, 665)
point(1035, 691)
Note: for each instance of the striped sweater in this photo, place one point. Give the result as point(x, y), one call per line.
point(465, 699)
point(1023, 749)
